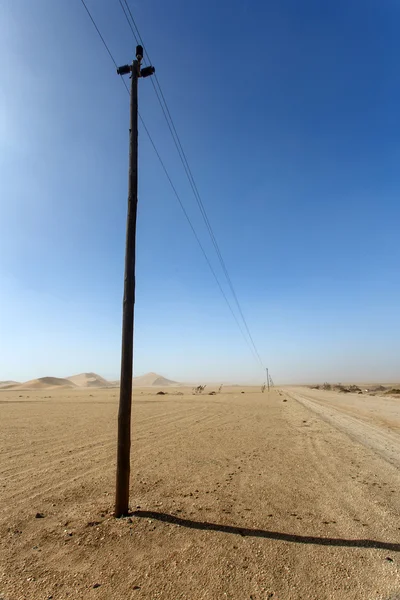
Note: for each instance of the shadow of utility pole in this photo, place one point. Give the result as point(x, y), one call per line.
point(270, 535)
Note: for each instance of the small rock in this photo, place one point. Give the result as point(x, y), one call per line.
point(39, 515)
point(96, 585)
point(389, 559)
point(136, 587)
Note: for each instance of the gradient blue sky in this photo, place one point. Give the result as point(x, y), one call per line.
point(289, 114)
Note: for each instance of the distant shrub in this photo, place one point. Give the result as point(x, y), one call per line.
point(199, 389)
point(354, 388)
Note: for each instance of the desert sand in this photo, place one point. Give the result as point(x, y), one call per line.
point(89, 380)
point(8, 384)
point(291, 495)
point(45, 383)
point(85, 380)
point(153, 379)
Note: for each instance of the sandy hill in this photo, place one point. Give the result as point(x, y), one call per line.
point(46, 383)
point(89, 380)
point(153, 379)
point(4, 385)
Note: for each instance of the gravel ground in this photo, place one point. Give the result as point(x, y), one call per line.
point(291, 495)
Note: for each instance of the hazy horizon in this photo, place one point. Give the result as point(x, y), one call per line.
point(232, 381)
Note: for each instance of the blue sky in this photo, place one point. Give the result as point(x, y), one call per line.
point(288, 112)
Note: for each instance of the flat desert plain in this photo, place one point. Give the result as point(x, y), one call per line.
point(287, 495)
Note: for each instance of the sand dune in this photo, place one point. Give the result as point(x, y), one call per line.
point(44, 383)
point(153, 379)
point(86, 380)
point(6, 385)
point(89, 380)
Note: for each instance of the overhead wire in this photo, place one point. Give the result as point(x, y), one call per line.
point(192, 228)
point(171, 183)
point(104, 42)
point(171, 125)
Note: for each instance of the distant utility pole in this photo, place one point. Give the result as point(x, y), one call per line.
point(267, 379)
point(125, 396)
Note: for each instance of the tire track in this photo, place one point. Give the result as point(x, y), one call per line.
point(373, 436)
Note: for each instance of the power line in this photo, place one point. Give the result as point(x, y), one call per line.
point(129, 23)
point(182, 155)
point(193, 229)
point(98, 31)
point(104, 42)
point(170, 180)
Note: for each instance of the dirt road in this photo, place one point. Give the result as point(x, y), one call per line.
point(239, 496)
point(370, 420)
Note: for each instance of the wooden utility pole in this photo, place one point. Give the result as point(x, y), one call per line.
point(267, 379)
point(125, 396)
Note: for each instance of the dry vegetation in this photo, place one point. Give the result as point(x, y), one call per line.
point(369, 389)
